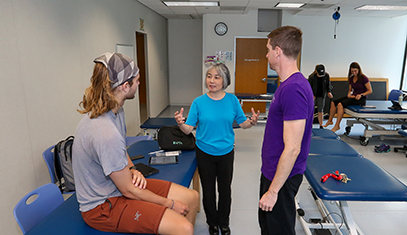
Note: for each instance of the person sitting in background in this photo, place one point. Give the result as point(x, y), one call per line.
point(359, 89)
point(321, 87)
point(113, 195)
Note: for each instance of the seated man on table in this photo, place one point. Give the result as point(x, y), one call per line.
point(113, 196)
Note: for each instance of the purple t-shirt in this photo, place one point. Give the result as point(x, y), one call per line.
point(293, 100)
point(359, 87)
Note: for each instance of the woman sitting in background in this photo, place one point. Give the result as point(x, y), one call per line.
point(359, 88)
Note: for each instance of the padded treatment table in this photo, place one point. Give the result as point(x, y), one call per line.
point(251, 97)
point(155, 124)
point(67, 219)
point(369, 182)
point(377, 118)
point(241, 96)
point(152, 125)
point(402, 132)
point(324, 133)
point(331, 147)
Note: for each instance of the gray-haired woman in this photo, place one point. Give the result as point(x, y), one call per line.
point(213, 115)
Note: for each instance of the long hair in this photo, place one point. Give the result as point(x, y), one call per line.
point(355, 65)
point(289, 39)
point(99, 96)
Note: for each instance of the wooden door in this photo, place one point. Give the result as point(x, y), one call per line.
point(141, 63)
point(251, 69)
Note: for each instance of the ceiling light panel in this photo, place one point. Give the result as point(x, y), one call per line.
point(381, 8)
point(190, 4)
point(289, 5)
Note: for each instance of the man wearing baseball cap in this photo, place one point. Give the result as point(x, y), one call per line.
point(321, 87)
point(113, 195)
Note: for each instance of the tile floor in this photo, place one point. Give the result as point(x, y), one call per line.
point(372, 217)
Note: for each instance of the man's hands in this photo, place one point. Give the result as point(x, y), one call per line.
point(138, 179)
point(180, 207)
point(268, 200)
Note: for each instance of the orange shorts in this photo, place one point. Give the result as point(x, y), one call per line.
point(124, 215)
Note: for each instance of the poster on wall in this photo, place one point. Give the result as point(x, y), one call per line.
point(141, 24)
point(219, 57)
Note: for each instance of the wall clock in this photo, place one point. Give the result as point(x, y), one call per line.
point(221, 28)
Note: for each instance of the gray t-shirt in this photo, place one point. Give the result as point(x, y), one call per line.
point(99, 149)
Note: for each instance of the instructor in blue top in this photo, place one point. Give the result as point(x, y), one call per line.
point(287, 135)
point(213, 115)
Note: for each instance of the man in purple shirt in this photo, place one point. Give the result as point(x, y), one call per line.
point(287, 135)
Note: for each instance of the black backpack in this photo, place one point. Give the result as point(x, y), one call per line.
point(172, 138)
point(63, 164)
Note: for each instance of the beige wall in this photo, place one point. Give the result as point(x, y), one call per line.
point(47, 48)
point(238, 26)
point(185, 60)
point(376, 43)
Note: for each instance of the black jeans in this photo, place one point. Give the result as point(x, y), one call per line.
point(214, 169)
point(281, 220)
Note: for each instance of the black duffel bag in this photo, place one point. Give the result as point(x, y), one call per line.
point(172, 138)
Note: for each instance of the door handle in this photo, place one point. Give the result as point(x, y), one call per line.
point(264, 79)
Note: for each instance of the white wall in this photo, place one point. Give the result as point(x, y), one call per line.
point(185, 60)
point(376, 43)
point(47, 49)
point(238, 26)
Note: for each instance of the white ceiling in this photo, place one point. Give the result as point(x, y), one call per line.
point(313, 7)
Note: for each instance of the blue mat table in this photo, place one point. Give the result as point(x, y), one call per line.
point(377, 119)
point(324, 133)
point(369, 182)
point(402, 132)
point(154, 124)
point(67, 219)
point(376, 109)
point(252, 97)
point(331, 147)
point(181, 173)
point(157, 122)
point(245, 95)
